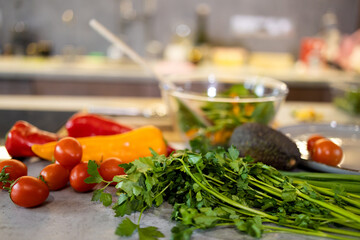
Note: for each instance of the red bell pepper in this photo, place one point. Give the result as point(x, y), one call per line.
point(23, 135)
point(86, 125)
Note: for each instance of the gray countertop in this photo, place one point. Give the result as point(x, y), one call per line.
point(70, 215)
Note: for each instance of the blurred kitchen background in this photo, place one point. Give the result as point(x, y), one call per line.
point(48, 47)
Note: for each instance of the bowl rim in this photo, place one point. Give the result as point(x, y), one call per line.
point(169, 86)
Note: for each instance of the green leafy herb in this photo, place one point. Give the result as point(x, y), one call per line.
point(127, 228)
point(149, 233)
point(4, 178)
point(217, 188)
point(93, 171)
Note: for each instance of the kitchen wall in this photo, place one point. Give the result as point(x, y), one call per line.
point(156, 20)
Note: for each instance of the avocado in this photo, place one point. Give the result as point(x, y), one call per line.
point(265, 144)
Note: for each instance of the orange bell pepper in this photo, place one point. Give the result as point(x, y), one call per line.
point(125, 146)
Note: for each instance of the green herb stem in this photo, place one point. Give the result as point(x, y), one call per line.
point(340, 231)
point(226, 199)
point(204, 179)
point(270, 189)
point(246, 213)
point(354, 195)
point(233, 180)
point(274, 181)
point(141, 212)
point(348, 186)
point(305, 232)
point(163, 190)
point(345, 221)
point(353, 209)
point(323, 176)
point(214, 179)
point(331, 207)
point(353, 202)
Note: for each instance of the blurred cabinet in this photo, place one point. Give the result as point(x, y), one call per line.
point(133, 88)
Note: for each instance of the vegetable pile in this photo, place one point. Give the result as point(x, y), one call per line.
point(207, 186)
point(97, 138)
point(220, 189)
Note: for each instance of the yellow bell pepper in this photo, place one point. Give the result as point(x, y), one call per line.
point(125, 146)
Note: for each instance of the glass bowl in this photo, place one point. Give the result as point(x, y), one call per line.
point(346, 96)
point(214, 105)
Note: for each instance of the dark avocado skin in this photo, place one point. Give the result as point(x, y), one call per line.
point(267, 145)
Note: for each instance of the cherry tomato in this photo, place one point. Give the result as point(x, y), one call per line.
point(68, 152)
point(15, 169)
point(29, 192)
point(311, 141)
point(327, 152)
point(169, 150)
point(55, 176)
point(77, 176)
point(110, 168)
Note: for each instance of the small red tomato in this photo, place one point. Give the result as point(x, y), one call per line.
point(110, 168)
point(169, 150)
point(311, 141)
point(68, 152)
point(327, 152)
point(15, 168)
point(29, 192)
point(55, 176)
point(77, 176)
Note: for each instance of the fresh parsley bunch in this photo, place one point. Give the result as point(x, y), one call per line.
point(219, 189)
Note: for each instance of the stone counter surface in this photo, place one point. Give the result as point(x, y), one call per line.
point(70, 215)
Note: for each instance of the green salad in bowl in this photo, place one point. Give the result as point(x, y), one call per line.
point(213, 106)
point(347, 96)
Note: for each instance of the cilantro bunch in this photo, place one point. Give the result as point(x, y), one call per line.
point(219, 189)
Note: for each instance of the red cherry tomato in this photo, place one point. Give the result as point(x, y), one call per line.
point(15, 168)
point(169, 150)
point(311, 141)
point(68, 152)
point(110, 168)
point(77, 176)
point(29, 192)
point(327, 152)
point(55, 176)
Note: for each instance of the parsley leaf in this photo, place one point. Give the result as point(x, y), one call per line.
point(149, 233)
point(95, 176)
point(288, 193)
point(96, 195)
point(106, 199)
point(194, 158)
point(234, 153)
point(126, 228)
point(181, 232)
